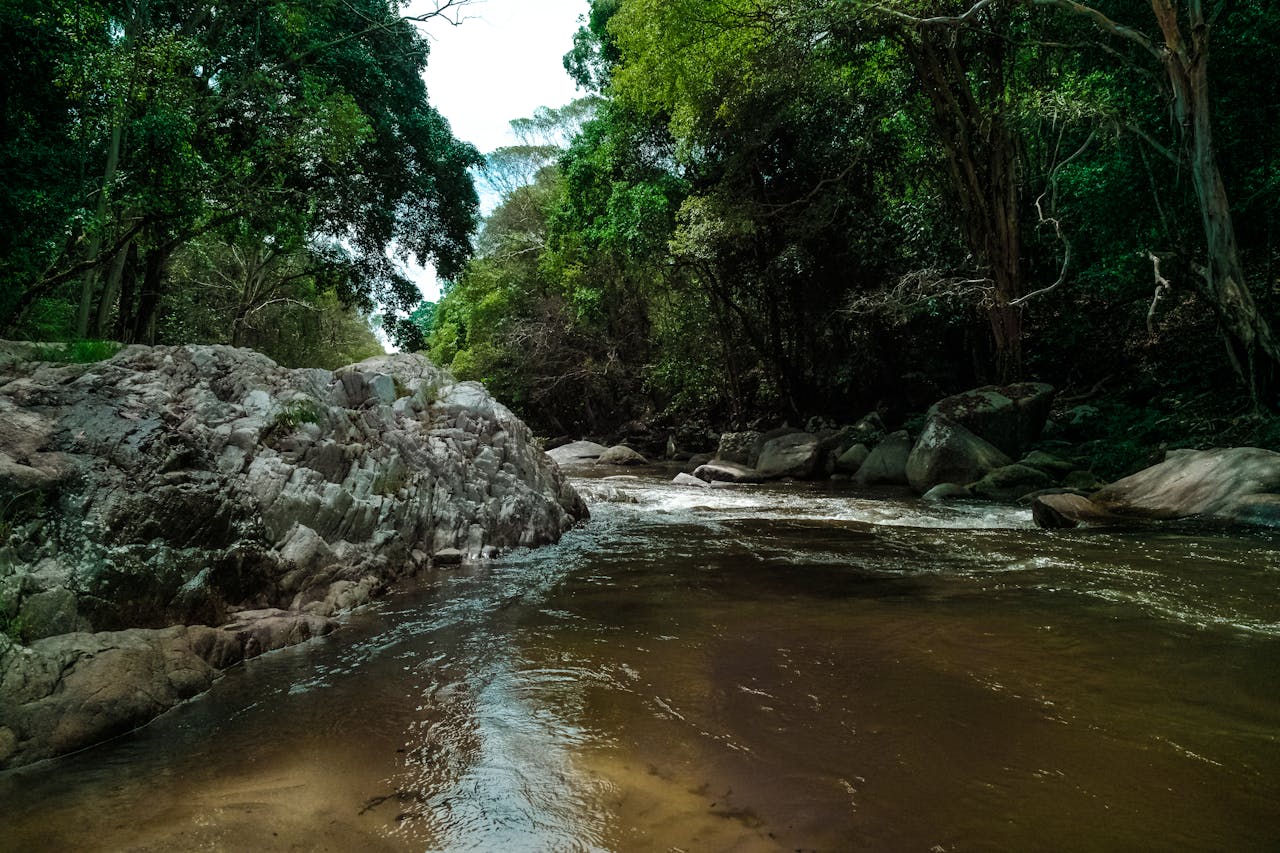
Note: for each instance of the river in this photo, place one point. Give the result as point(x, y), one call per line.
point(745, 669)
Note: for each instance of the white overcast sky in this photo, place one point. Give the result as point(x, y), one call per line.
point(502, 63)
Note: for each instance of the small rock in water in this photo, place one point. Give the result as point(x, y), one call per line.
point(947, 492)
point(448, 557)
point(620, 455)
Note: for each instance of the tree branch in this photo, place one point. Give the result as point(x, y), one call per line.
point(1057, 226)
point(1104, 23)
point(1162, 289)
point(940, 20)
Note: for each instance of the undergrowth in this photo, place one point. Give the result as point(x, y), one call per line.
point(76, 352)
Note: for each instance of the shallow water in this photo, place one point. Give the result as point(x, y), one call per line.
point(774, 668)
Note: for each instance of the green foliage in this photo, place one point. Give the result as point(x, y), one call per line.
point(77, 352)
point(138, 137)
point(294, 414)
point(12, 627)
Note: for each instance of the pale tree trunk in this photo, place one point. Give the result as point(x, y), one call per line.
point(110, 291)
point(1250, 341)
point(1251, 345)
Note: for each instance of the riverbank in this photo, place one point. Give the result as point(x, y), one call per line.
point(171, 511)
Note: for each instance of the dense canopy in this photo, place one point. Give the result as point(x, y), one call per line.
point(183, 171)
point(781, 210)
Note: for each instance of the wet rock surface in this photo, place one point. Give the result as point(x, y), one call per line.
point(1238, 484)
point(208, 486)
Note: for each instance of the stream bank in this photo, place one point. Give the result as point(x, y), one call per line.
point(171, 511)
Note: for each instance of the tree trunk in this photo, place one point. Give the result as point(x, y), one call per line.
point(1251, 344)
point(110, 291)
point(128, 295)
point(95, 245)
point(144, 324)
point(983, 170)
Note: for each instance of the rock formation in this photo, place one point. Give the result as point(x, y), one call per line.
point(1238, 484)
point(210, 487)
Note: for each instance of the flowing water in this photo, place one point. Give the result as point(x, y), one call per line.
point(774, 668)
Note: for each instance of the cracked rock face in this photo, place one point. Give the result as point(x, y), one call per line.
point(184, 485)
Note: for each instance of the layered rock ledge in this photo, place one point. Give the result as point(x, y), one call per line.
point(173, 510)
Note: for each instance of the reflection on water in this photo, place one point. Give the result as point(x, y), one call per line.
point(774, 668)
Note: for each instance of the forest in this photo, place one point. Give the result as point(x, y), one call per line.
point(244, 173)
point(760, 211)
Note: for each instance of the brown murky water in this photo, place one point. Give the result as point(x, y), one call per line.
point(784, 668)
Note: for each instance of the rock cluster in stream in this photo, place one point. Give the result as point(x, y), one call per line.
point(967, 448)
point(171, 511)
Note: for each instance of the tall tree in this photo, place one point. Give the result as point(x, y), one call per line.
point(1182, 48)
point(266, 120)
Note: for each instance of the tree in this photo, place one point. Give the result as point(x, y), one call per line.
point(1182, 49)
point(263, 123)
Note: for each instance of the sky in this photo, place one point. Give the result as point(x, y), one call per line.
point(503, 62)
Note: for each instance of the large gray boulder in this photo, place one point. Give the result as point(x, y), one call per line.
point(738, 447)
point(577, 453)
point(798, 454)
point(1240, 484)
point(851, 460)
point(620, 455)
point(186, 485)
point(887, 464)
point(948, 453)
point(1010, 417)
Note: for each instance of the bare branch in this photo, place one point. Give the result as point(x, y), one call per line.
point(1067, 251)
point(775, 209)
point(1104, 23)
point(918, 288)
point(449, 11)
point(299, 303)
point(1150, 140)
point(1162, 290)
point(942, 20)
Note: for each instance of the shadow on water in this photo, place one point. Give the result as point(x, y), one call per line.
point(775, 668)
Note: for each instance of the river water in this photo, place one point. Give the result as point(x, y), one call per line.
point(742, 669)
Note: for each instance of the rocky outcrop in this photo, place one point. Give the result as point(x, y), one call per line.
point(1240, 484)
point(1011, 482)
point(851, 460)
point(577, 453)
point(620, 455)
point(947, 492)
point(1010, 417)
point(726, 472)
point(948, 453)
point(887, 464)
point(798, 454)
point(208, 486)
point(683, 479)
point(739, 448)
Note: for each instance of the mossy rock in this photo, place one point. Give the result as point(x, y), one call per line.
point(1011, 482)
